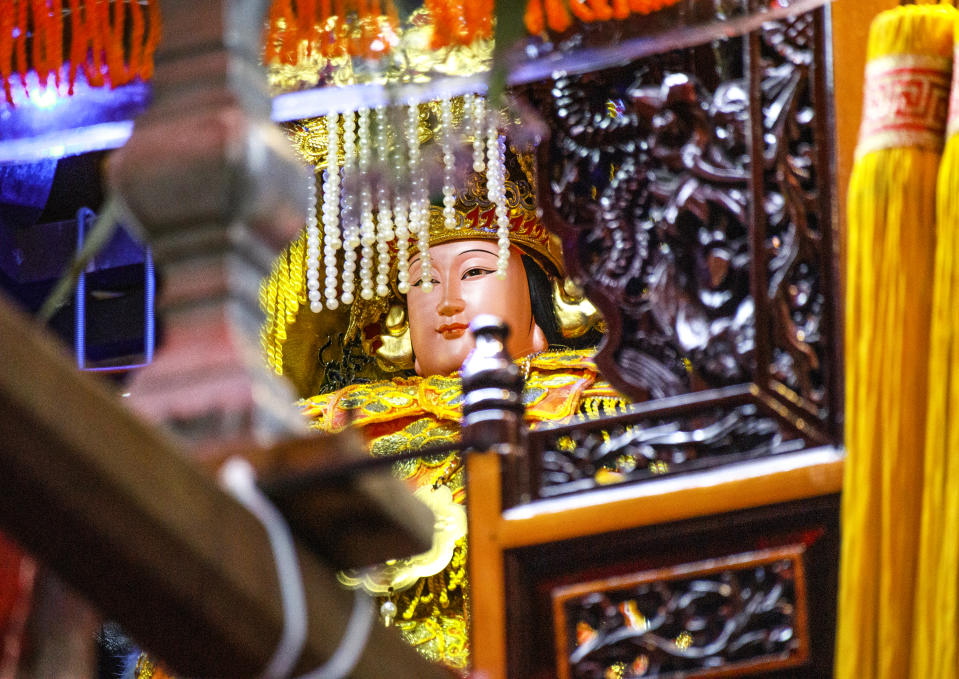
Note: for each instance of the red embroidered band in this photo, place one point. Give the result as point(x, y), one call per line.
point(906, 102)
point(953, 125)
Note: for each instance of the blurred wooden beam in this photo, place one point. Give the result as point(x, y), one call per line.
point(111, 504)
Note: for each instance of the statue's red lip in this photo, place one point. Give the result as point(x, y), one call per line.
point(452, 330)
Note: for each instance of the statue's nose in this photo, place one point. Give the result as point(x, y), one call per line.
point(450, 302)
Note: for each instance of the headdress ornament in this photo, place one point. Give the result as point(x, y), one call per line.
point(351, 265)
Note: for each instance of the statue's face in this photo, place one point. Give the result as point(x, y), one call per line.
point(465, 284)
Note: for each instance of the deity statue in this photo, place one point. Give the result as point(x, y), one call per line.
point(390, 367)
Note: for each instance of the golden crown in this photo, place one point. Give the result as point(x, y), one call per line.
point(351, 262)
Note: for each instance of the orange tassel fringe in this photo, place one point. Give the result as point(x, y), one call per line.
point(363, 28)
point(111, 41)
point(559, 15)
point(336, 28)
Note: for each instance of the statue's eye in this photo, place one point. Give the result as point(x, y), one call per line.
point(476, 272)
point(419, 282)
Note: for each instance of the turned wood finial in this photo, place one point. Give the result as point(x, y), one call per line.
point(492, 389)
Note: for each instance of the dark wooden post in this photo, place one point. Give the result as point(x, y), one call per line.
point(218, 191)
point(493, 403)
point(495, 435)
point(114, 507)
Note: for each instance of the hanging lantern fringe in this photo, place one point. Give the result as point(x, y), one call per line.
point(110, 41)
point(365, 28)
point(337, 28)
point(558, 15)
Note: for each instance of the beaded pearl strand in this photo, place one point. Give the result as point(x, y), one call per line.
point(364, 229)
point(401, 211)
point(331, 210)
point(367, 226)
point(478, 120)
point(449, 164)
point(496, 190)
point(312, 247)
point(351, 231)
point(384, 212)
point(419, 197)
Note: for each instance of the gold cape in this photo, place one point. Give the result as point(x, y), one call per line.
point(405, 414)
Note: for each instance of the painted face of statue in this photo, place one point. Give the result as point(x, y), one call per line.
point(465, 284)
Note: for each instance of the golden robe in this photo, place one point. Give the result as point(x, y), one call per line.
point(405, 414)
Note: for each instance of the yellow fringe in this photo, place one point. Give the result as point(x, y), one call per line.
point(936, 633)
point(891, 225)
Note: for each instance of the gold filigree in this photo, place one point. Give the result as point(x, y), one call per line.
point(397, 575)
point(443, 639)
point(410, 60)
point(574, 312)
point(395, 348)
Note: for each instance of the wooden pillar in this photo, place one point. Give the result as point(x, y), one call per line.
point(495, 435)
point(219, 192)
point(114, 508)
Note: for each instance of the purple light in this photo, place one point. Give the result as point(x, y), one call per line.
point(50, 124)
point(46, 99)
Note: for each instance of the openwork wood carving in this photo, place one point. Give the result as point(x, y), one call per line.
point(692, 194)
point(745, 613)
point(633, 447)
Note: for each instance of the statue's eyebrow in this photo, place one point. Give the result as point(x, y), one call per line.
point(416, 257)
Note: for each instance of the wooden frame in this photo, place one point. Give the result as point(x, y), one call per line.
point(494, 531)
point(792, 553)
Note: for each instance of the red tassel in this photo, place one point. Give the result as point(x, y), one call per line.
point(78, 42)
point(20, 43)
point(96, 22)
point(55, 40)
point(601, 9)
point(620, 9)
point(557, 18)
point(306, 9)
point(7, 22)
point(534, 18)
point(334, 27)
point(113, 42)
point(39, 41)
point(136, 38)
point(153, 38)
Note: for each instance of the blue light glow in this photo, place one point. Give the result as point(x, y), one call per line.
point(49, 123)
point(46, 99)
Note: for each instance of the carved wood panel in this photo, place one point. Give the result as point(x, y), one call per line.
point(692, 191)
point(742, 614)
point(745, 593)
point(730, 426)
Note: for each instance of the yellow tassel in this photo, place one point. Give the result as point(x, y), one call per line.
point(891, 241)
point(936, 634)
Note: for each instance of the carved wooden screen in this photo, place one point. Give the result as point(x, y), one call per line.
point(693, 193)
